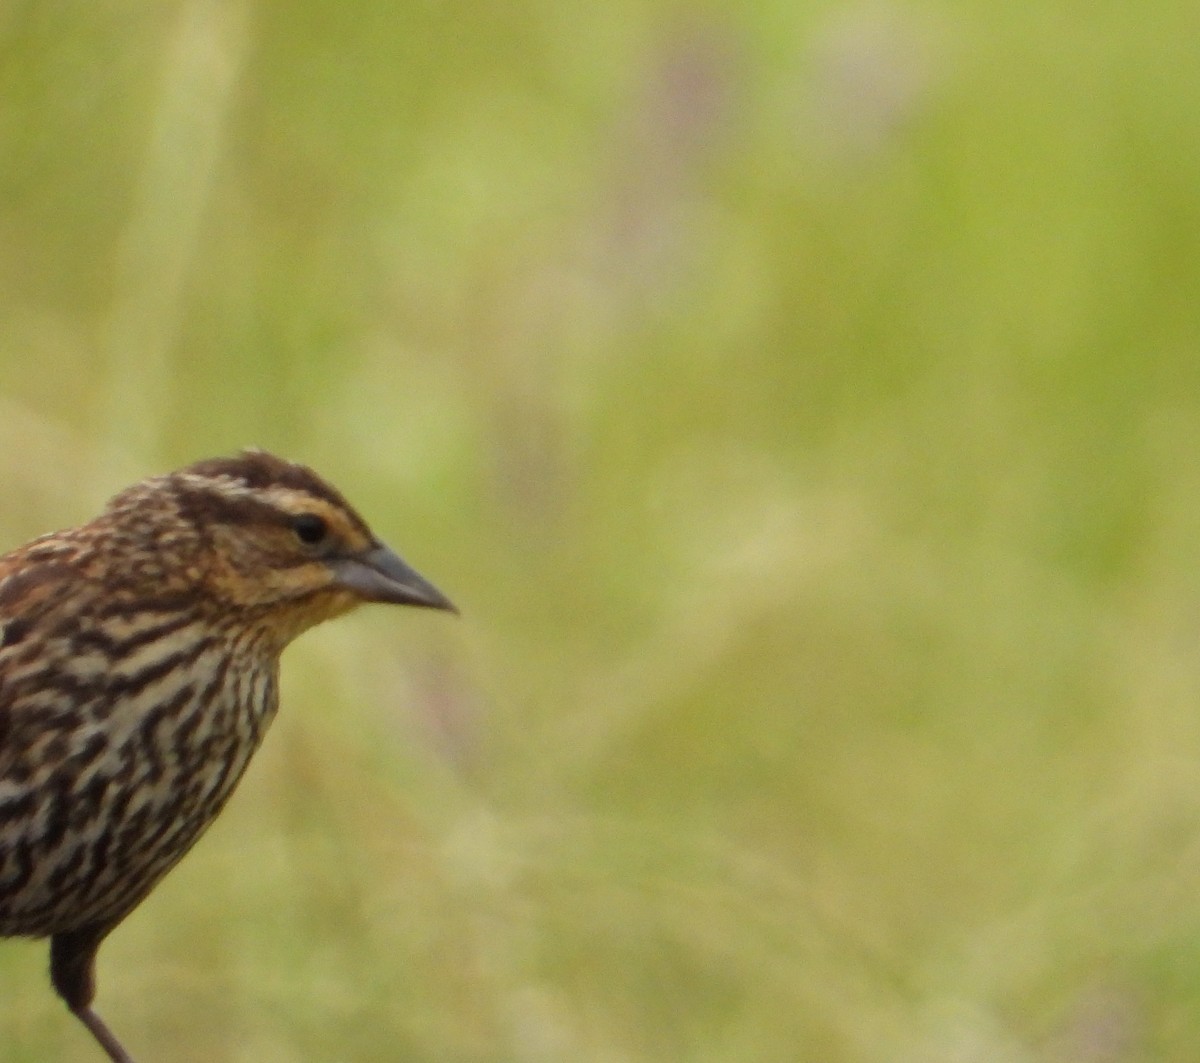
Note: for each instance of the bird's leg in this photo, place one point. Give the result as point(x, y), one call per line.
point(73, 972)
point(107, 1039)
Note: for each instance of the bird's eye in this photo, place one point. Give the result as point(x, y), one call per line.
point(309, 528)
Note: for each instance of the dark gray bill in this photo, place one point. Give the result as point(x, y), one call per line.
point(378, 575)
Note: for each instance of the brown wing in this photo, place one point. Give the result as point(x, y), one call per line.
point(33, 604)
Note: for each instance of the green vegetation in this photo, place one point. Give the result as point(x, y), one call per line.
point(802, 403)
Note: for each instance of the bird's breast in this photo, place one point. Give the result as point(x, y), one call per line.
point(137, 759)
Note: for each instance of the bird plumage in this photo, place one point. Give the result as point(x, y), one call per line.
point(139, 658)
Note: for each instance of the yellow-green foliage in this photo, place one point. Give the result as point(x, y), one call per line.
point(801, 402)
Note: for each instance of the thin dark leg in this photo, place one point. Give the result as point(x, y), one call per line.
point(73, 972)
point(103, 1034)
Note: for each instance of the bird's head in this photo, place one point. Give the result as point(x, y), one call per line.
point(265, 538)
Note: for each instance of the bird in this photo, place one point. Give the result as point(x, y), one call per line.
point(139, 664)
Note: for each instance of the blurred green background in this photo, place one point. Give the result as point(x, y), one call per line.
point(802, 403)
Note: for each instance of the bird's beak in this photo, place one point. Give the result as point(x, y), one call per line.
point(378, 575)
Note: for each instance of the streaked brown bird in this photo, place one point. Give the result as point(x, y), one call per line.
point(139, 658)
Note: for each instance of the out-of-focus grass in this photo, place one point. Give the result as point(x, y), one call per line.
point(800, 403)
